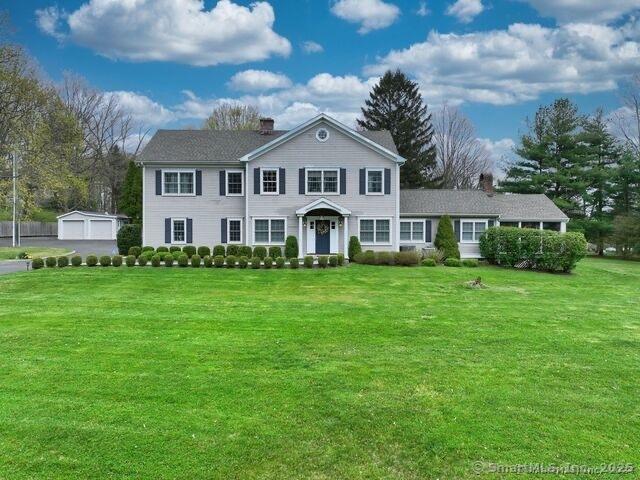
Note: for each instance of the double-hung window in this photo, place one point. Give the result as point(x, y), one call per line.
point(269, 181)
point(322, 180)
point(375, 231)
point(269, 231)
point(412, 231)
point(234, 230)
point(178, 230)
point(178, 182)
point(375, 180)
point(473, 230)
point(235, 182)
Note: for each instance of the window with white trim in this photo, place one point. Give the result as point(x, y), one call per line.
point(235, 182)
point(375, 231)
point(472, 231)
point(269, 180)
point(322, 180)
point(412, 231)
point(269, 231)
point(178, 182)
point(178, 230)
point(375, 180)
point(234, 230)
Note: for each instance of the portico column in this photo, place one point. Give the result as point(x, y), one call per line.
point(300, 242)
point(345, 229)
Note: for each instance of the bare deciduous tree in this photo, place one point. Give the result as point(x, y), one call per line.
point(233, 116)
point(627, 119)
point(461, 157)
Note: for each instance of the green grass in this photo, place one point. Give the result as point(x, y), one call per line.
point(8, 253)
point(360, 372)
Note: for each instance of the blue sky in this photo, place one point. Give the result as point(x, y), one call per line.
point(171, 61)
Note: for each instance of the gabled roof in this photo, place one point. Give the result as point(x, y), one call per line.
point(322, 203)
point(94, 214)
point(505, 206)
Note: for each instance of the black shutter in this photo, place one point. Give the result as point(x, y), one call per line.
point(427, 231)
point(256, 181)
point(189, 230)
point(343, 181)
point(456, 229)
point(223, 182)
point(282, 178)
point(198, 182)
point(167, 230)
point(492, 223)
point(223, 230)
point(301, 186)
point(158, 182)
point(363, 179)
point(387, 181)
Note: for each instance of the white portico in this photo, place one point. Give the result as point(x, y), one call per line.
point(319, 225)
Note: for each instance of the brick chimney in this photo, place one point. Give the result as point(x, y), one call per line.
point(266, 126)
point(486, 183)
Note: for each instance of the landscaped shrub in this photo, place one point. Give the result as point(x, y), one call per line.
point(135, 251)
point(323, 261)
point(91, 260)
point(162, 250)
point(219, 251)
point(116, 260)
point(452, 262)
point(535, 249)
point(63, 262)
point(291, 247)
point(147, 248)
point(308, 261)
point(294, 262)
point(196, 260)
point(156, 260)
point(255, 262)
point(174, 249)
point(51, 262)
point(446, 239)
point(204, 251)
point(268, 262)
point(436, 255)
point(260, 252)
point(407, 258)
point(340, 259)
point(354, 247)
point(177, 254)
point(143, 260)
point(76, 260)
point(147, 254)
point(129, 235)
point(385, 258)
point(168, 260)
point(207, 261)
point(333, 261)
point(280, 262)
point(105, 260)
point(470, 262)
point(275, 252)
point(130, 260)
point(190, 250)
point(183, 260)
point(233, 250)
point(37, 263)
point(245, 251)
point(243, 262)
point(231, 261)
point(429, 262)
point(368, 257)
point(218, 261)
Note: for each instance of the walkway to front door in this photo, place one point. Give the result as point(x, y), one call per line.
point(323, 236)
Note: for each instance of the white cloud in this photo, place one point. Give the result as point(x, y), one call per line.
point(422, 11)
point(370, 14)
point(180, 31)
point(312, 47)
point(258, 80)
point(142, 109)
point(501, 153)
point(584, 10)
point(509, 66)
point(465, 10)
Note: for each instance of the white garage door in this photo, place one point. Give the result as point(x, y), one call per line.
point(73, 229)
point(101, 230)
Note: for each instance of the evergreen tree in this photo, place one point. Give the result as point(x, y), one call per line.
point(131, 196)
point(395, 104)
point(446, 238)
point(625, 185)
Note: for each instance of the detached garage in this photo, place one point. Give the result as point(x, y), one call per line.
point(80, 225)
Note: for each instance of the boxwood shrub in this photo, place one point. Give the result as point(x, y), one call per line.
point(148, 248)
point(268, 262)
point(129, 235)
point(91, 260)
point(340, 259)
point(168, 260)
point(275, 252)
point(260, 252)
point(207, 261)
point(280, 262)
point(243, 262)
point(323, 261)
point(143, 260)
point(183, 260)
point(470, 262)
point(105, 260)
point(116, 260)
point(233, 250)
point(291, 247)
point(135, 251)
point(255, 262)
point(231, 261)
point(37, 263)
point(147, 255)
point(218, 261)
point(51, 262)
point(63, 262)
point(190, 250)
point(196, 260)
point(245, 251)
point(156, 260)
point(162, 250)
point(177, 254)
point(130, 261)
point(333, 261)
point(354, 247)
point(308, 261)
point(452, 262)
point(76, 260)
point(218, 251)
point(175, 248)
point(429, 262)
point(294, 263)
point(204, 251)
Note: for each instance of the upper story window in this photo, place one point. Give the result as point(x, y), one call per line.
point(473, 230)
point(375, 181)
point(322, 135)
point(235, 182)
point(322, 180)
point(178, 182)
point(269, 181)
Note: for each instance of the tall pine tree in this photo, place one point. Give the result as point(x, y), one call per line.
point(395, 104)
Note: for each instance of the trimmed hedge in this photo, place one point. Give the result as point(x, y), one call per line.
point(63, 262)
point(243, 261)
point(280, 262)
point(196, 260)
point(207, 261)
point(76, 261)
point(174, 249)
point(143, 260)
point(156, 260)
point(190, 250)
point(275, 252)
point(429, 262)
point(340, 259)
point(233, 250)
point(91, 260)
point(105, 260)
point(470, 263)
point(534, 249)
point(308, 261)
point(183, 260)
point(260, 252)
point(268, 262)
point(129, 235)
point(231, 261)
point(51, 262)
point(291, 247)
point(204, 251)
point(255, 262)
point(245, 251)
point(168, 260)
point(177, 254)
point(219, 251)
point(446, 238)
point(148, 248)
point(135, 251)
point(130, 261)
point(407, 258)
point(147, 254)
point(218, 261)
point(294, 263)
point(333, 261)
point(116, 260)
point(452, 262)
point(37, 263)
point(162, 250)
point(323, 261)
point(354, 247)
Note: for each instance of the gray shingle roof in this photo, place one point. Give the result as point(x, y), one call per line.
point(476, 202)
point(221, 146)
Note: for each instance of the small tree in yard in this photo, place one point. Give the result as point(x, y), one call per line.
point(354, 248)
point(129, 235)
point(291, 247)
point(446, 239)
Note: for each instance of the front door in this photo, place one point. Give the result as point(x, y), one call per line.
point(323, 236)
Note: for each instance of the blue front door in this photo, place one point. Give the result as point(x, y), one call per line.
point(323, 238)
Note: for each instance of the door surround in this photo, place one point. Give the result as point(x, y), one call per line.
point(333, 233)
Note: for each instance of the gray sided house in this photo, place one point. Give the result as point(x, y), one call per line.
point(321, 182)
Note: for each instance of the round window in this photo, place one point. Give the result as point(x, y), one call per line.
point(322, 135)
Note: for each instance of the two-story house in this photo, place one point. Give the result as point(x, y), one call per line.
point(321, 182)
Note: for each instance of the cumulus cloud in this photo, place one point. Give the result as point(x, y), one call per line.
point(584, 10)
point(465, 10)
point(503, 67)
point(501, 152)
point(258, 80)
point(312, 47)
point(142, 109)
point(370, 14)
point(182, 31)
point(422, 11)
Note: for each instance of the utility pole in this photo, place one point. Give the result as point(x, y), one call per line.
point(15, 238)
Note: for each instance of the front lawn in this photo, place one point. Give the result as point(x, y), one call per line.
point(9, 253)
point(359, 372)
